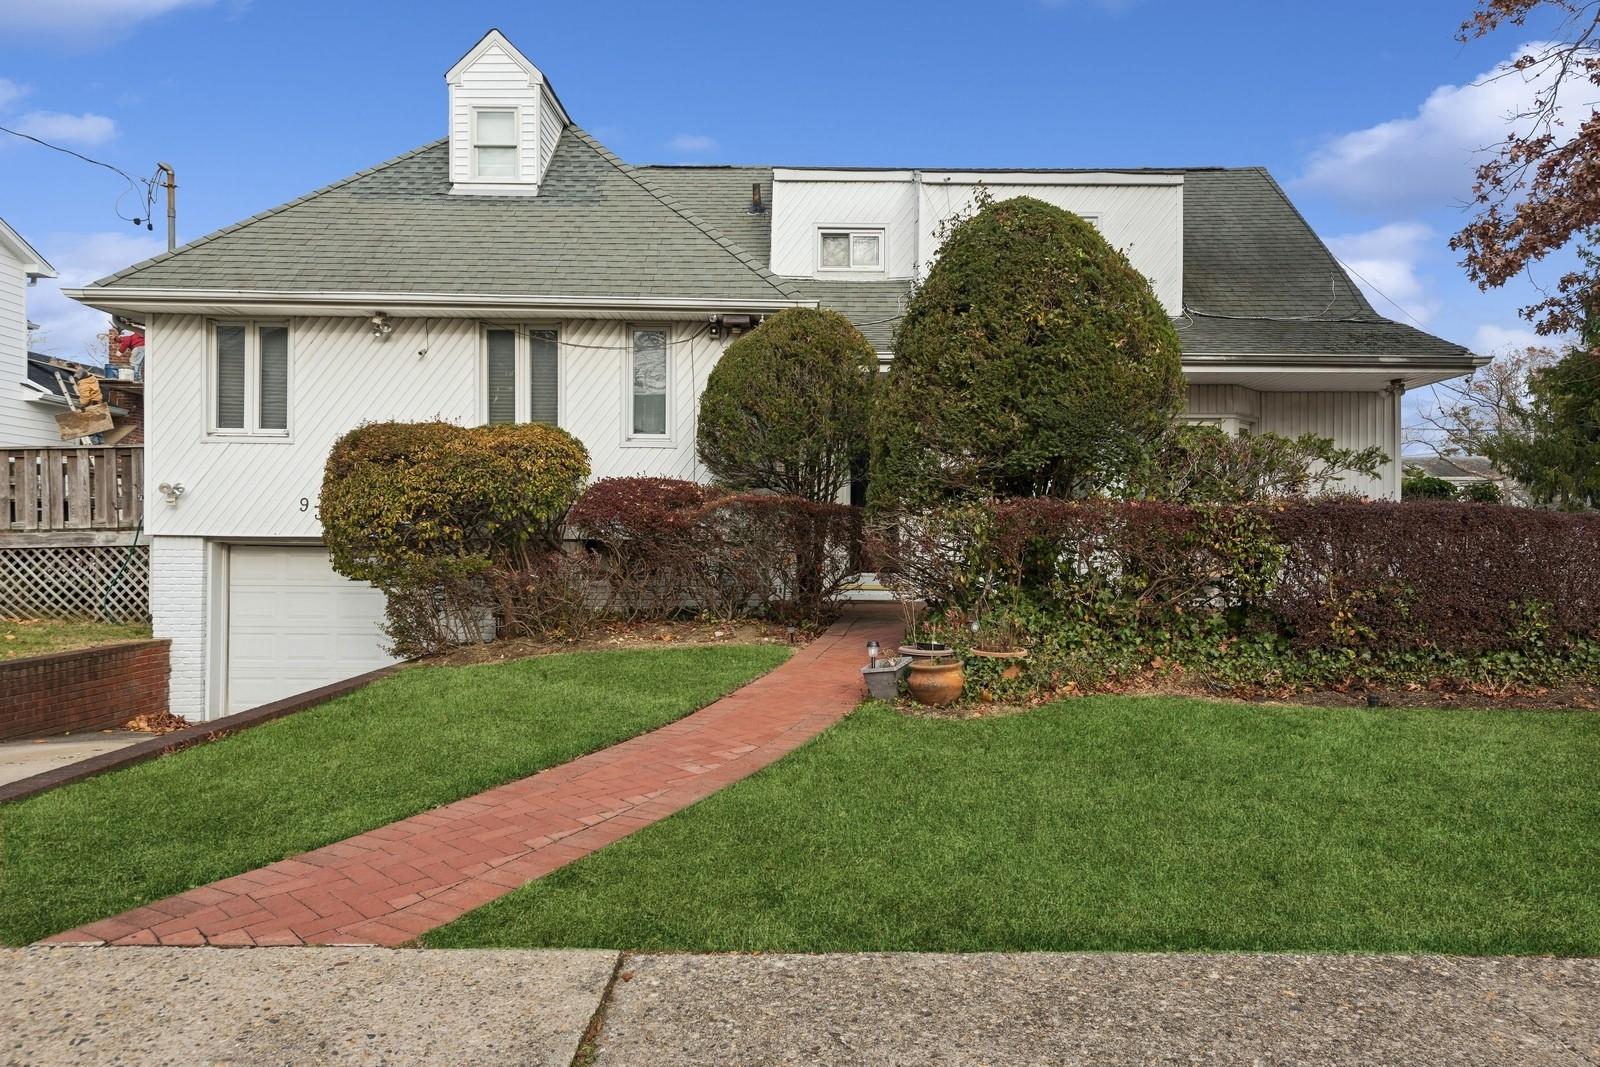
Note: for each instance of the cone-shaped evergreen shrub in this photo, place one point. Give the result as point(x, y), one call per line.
point(786, 407)
point(1034, 360)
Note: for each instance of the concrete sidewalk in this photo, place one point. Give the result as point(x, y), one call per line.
point(367, 1006)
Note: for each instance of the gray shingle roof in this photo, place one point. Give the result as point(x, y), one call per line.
point(1257, 280)
point(598, 228)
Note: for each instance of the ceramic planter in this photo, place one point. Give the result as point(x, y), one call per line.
point(883, 680)
point(936, 681)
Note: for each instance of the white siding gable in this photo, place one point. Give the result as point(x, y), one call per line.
point(1140, 214)
point(495, 76)
point(23, 421)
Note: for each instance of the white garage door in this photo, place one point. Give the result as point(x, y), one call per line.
point(294, 625)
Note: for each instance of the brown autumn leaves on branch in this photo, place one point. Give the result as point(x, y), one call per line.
point(1541, 190)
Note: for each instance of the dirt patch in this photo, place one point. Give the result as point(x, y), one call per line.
point(622, 635)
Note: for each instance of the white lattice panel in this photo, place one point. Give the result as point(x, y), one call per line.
point(87, 582)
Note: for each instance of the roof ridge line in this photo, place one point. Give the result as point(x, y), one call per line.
point(260, 215)
point(672, 205)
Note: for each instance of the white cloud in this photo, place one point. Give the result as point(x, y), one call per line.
point(87, 22)
point(68, 328)
point(84, 129)
point(1387, 262)
point(11, 92)
point(693, 144)
point(1490, 339)
point(1427, 159)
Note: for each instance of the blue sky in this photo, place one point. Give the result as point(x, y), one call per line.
point(1366, 111)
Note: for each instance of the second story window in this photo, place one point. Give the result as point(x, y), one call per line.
point(494, 143)
point(851, 250)
point(250, 379)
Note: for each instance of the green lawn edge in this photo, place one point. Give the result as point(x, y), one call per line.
point(1112, 824)
point(424, 737)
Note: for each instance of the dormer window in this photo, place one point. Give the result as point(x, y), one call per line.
point(494, 143)
point(851, 250)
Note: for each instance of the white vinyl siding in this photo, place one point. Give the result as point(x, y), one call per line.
point(249, 379)
point(23, 421)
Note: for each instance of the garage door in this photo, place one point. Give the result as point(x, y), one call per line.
point(294, 625)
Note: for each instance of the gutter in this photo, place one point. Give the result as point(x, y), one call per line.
point(402, 304)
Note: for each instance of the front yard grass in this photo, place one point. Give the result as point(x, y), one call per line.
point(1113, 824)
point(36, 637)
point(421, 738)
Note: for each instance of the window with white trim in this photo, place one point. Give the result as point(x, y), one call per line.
point(249, 379)
point(522, 374)
point(649, 374)
point(494, 143)
point(850, 250)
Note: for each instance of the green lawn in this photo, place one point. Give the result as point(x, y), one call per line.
point(35, 637)
point(1114, 823)
point(421, 738)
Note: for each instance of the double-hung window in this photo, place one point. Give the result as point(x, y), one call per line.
point(649, 378)
point(522, 374)
point(850, 250)
point(494, 143)
point(249, 379)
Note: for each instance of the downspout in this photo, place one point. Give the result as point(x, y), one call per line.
point(916, 223)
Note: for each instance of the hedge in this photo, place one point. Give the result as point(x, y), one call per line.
point(1319, 591)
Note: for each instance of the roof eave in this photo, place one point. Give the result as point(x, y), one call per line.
point(406, 304)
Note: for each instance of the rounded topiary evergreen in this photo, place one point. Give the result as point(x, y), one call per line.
point(405, 498)
point(786, 408)
point(1034, 360)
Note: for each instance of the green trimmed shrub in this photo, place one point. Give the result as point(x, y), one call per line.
point(785, 409)
point(1033, 361)
point(428, 511)
point(1417, 484)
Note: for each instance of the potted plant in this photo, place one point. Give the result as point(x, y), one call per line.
point(924, 641)
point(935, 677)
point(883, 673)
point(998, 639)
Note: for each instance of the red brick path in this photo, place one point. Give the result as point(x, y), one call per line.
point(388, 885)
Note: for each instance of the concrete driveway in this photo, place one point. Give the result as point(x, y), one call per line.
point(384, 1006)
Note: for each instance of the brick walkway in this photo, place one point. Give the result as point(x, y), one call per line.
point(388, 885)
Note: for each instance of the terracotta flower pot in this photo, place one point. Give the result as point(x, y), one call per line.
point(936, 681)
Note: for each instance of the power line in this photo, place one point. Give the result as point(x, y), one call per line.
point(133, 183)
point(1380, 292)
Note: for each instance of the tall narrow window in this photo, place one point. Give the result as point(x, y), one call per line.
point(543, 376)
point(250, 378)
point(649, 382)
point(230, 376)
point(494, 143)
point(274, 377)
point(502, 375)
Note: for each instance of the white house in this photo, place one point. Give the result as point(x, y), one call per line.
point(517, 269)
point(27, 407)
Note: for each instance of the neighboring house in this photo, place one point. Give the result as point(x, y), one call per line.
point(518, 270)
point(1459, 471)
point(27, 414)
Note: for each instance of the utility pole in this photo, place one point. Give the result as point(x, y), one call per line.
point(171, 184)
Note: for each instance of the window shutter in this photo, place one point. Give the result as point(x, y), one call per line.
point(502, 376)
point(274, 342)
point(230, 376)
point(543, 377)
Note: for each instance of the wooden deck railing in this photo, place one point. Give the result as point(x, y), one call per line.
point(99, 488)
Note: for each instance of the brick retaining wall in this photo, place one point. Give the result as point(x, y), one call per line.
point(85, 689)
